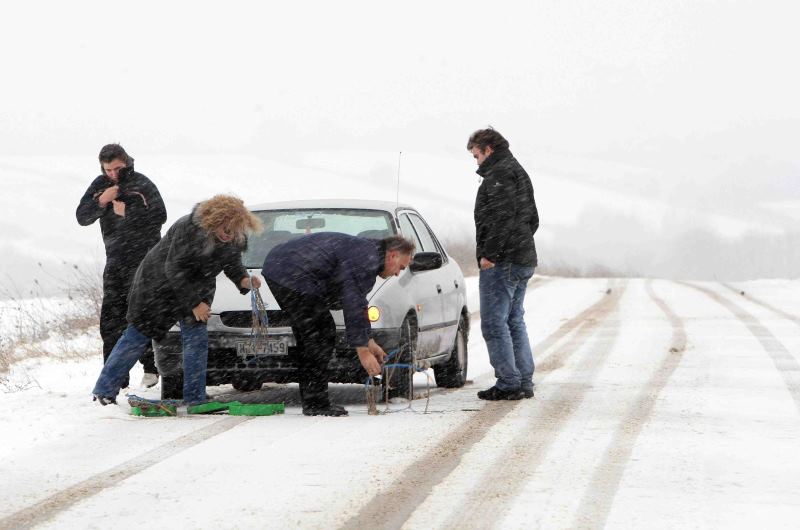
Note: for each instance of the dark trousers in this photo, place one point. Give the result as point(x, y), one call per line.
point(117, 279)
point(315, 332)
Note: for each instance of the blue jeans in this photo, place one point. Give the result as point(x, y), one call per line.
point(132, 345)
point(502, 294)
point(194, 340)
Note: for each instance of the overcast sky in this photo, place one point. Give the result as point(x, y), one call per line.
point(638, 81)
point(693, 102)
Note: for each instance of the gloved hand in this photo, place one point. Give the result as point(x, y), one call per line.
point(125, 172)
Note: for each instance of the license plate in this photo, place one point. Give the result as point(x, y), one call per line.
point(262, 347)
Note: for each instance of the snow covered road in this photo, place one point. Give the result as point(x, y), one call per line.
point(658, 405)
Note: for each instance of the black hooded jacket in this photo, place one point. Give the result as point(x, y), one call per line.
point(140, 229)
point(179, 273)
point(505, 212)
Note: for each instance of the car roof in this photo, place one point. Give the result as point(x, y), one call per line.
point(357, 204)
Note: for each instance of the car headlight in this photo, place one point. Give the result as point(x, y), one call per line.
point(373, 313)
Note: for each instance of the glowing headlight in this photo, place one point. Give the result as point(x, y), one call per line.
point(373, 313)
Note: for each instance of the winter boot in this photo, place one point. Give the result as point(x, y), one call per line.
point(495, 394)
point(323, 409)
point(105, 400)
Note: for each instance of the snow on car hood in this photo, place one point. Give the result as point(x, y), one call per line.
point(228, 298)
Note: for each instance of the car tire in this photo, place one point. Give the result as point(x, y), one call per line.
point(172, 386)
point(398, 381)
point(246, 384)
point(453, 372)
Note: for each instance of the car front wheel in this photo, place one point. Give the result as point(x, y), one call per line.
point(398, 380)
point(246, 384)
point(453, 372)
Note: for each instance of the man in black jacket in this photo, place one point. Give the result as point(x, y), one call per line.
point(505, 221)
point(131, 213)
point(315, 273)
point(176, 282)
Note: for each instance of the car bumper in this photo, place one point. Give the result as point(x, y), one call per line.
point(225, 365)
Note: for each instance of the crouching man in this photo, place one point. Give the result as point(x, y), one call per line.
point(315, 273)
point(175, 283)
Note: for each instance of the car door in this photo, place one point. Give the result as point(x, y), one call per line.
point(425, 289)
point(446, 285)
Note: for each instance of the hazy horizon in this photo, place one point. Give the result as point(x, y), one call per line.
point(671, 125)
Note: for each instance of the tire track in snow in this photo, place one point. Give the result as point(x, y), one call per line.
point(784, 361)
point(474, 317)
point(599, 495)
point(60, 501)
point(781, 312)
point(487, 504)
point(393, 509)
point(54, 504)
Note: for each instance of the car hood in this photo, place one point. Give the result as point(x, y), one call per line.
point(228, 298)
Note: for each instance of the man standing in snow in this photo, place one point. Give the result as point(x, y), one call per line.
point(505, 221)
point(131, 212)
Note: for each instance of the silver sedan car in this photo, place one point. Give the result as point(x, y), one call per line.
point(421, 315)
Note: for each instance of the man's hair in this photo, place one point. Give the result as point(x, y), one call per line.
point(227, 212)
point(112, 152)
point(484, 138)
point(398, 243)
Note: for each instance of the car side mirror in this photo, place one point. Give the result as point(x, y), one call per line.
point(425, 261)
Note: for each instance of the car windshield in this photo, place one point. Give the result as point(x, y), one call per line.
point(283, 225)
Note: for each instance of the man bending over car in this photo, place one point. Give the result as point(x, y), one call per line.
point(313, 274)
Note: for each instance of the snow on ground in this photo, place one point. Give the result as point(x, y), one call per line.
point(658, 405)
point(54, 327)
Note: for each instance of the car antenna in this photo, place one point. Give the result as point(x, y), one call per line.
point(397, 199)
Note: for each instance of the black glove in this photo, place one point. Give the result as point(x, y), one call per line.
point(125, 172)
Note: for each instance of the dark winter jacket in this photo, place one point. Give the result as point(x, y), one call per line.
point(140, 229)
point(339, 269)
point(179, 273)
point(505, 212)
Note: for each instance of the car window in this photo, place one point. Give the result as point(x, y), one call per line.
point(283, 225)
point(425, 237)
point(408, 232)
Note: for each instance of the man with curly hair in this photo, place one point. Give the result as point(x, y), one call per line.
point(175, 283)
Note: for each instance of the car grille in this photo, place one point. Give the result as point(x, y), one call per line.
point(244, 319)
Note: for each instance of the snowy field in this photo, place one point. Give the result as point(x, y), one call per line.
point(658, 404)
point(581, 220)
